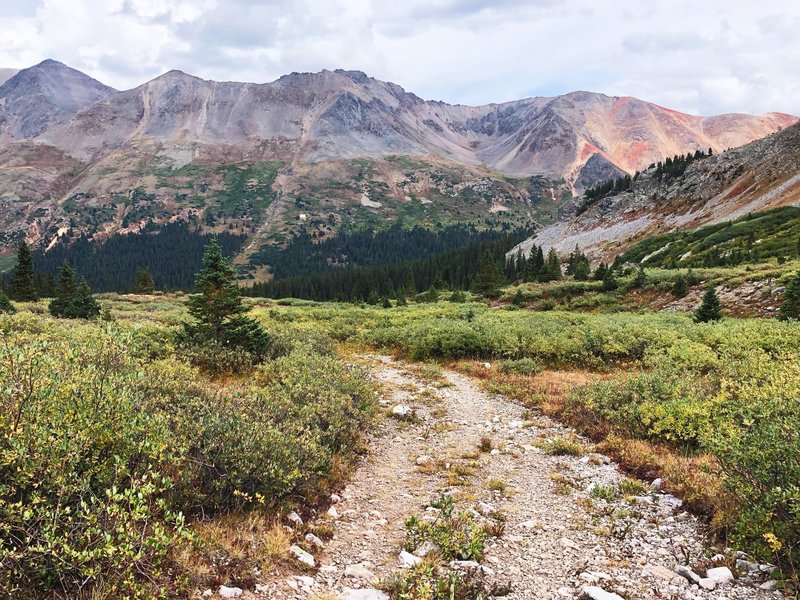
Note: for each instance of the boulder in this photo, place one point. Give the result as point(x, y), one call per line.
point(229, 592)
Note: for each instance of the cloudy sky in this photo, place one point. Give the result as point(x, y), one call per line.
point(701, 57)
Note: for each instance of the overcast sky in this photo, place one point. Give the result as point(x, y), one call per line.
point(705, 57)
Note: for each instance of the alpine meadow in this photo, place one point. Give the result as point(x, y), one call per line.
point(320, 338)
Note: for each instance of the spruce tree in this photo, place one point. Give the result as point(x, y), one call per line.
point(5, 304)
point(609, 281)
point(82, 305)
point(790, 308)
point(401, 297)
point(218, 310)
point(680, 287)
point(582, 271)
point(144, 282)
point(640, 279)
point(65, 291)
point(217, 298)
point(23, 282)
point(709, 309)
point(552, 267)
point(488, 279)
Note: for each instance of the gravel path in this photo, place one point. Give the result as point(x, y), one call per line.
point(561, 539)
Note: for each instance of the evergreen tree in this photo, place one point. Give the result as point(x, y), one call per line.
point(640, 279)
point(600, 271)
point(609, 281)
point(217, 299)
point(401, 297)
point(387, 303)
point(488, 279)
point(552, 268)
point(519, 298)
point(217, 308)
point(709, 309)
point(23, 283)
point(144, 282)
point(5, 304)
point(680, 287)
point(82, 305)
point(65, 291)
point(582, 271)
point(790, 308)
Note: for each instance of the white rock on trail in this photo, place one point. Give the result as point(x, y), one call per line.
point(423, 460)
point(597, 593)
point(402, 410)
point(359, 571)
point(314, 541)
point(295, 518)
point(229, 592)
point(302, 556)
point(409, 560)
point(720, 575)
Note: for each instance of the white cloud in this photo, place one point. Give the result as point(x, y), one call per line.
point(707, 57)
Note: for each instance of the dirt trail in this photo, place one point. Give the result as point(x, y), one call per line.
point(559, 536)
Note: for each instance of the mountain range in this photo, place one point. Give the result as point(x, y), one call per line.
point(313, 152)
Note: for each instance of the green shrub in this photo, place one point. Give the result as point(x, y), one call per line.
point(521, 366)
point(456, 534)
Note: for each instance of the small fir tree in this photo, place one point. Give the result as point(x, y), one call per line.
point(709, 309)
point(488, 280)
point(458, 296)
point(217, 307)
point(518, 299)
point(82, 305)
point(5, 304)
point(790, 308)
point(23, 282)
point(581, 271)
point(609, 281)
point(640, 279)
point(144, 282)
point(65, 291)
point(401, 298)
point(680, 287)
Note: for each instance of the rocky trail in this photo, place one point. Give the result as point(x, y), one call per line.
point(574, 525)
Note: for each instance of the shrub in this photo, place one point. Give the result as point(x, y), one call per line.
point(521, 366)
point(456, 534)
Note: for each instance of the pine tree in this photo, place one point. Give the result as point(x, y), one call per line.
point(144, 282)
point(582, 271)
point(609, 281)
point(82, 305)
point(218, 310)
point(23, 282)
point(600, 272)
point(217, 299)
point(790, 308)
point(458, 296)
point(5, 305)
point(519, 298)
point(401, 297)
point(488, 279)
point(552, 268)
point(709, 309)
point(640, 279)
point(680, 287)
point(65, 291)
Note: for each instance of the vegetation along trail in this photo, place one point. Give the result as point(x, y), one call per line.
point(506, 501)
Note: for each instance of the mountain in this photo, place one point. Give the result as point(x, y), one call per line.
point(313, 152)
point(47, 94)
point(761, 175)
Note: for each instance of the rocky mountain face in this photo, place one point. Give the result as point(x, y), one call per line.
point(77, 156)
point(757, 176)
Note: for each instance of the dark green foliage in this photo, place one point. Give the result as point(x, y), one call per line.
point(723, 244)
point(73, 301)
point(610, 282)
point(488, 280)
point(790, 308)
point(640, 279)
point(5, 304)
point(458, 296)
point(144, 282)
point(709, 309)
point(600, 272)
point(456, 269)
point(518, 298)
point(680, 287)
point(172, 253)
point(401, 297)
point(218, 311)
point(552, 267)
point(23, 282)
point(431, 295)
point(578, 265)
point(386, 303)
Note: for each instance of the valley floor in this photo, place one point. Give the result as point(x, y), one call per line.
point(565, 531)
